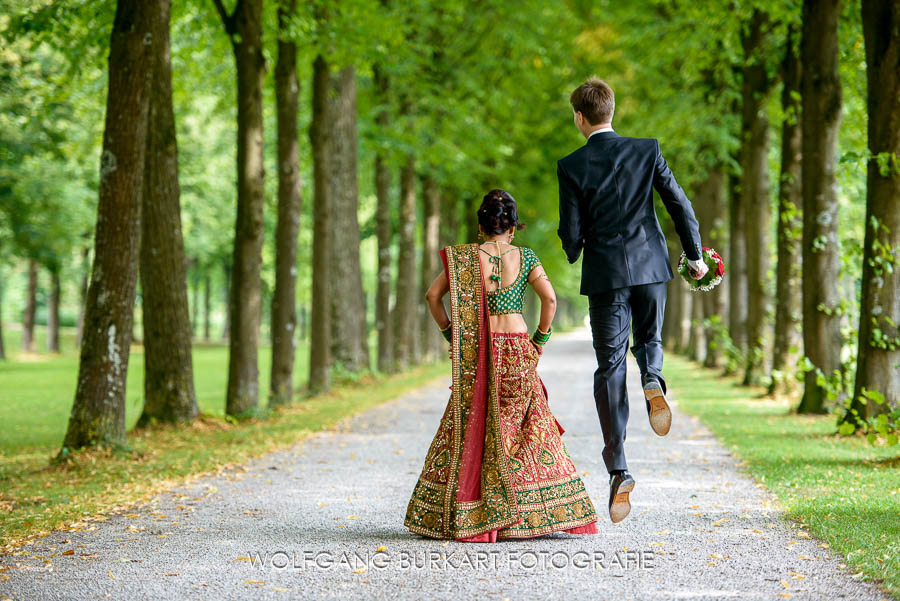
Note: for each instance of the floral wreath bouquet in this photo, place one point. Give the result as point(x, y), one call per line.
point(713, 276)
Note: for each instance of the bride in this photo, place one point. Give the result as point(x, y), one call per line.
point(497, 467)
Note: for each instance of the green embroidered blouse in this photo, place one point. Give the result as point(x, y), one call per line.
point(510, 299)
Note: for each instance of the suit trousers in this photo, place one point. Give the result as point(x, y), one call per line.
point(613, 313)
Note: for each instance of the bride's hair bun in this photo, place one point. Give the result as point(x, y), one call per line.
point(498, 212)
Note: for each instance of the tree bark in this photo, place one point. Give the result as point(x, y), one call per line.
point(407, 291)
point(194, 318)
point(787, 348)
point(384, 227)
point(30, 308)
point(284, 309)
point(878, 361)
point(431, 266)
point(677, 320)
point(207, 305)
point(320, 141)
point(449, 218)
point(226, 272)
point(737, 267)
point(168, 365)
point(712, 232)
point(755, 91)
point(696, 346)
point(2, 347)
point(244, 27)
point(820, 122)
point(349, 345)
point(53, 312)
point(672, 316)
point(82, 294)
point(98, 411)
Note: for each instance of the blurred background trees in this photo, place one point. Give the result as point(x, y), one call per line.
point(326, 150)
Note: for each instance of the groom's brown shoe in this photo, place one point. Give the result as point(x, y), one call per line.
point(619, 487)
point(660, 414)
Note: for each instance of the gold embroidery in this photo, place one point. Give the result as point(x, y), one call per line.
point(528, 485)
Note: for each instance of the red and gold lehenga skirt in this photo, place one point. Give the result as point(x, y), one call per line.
point(497, 467)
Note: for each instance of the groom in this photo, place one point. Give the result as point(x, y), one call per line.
point(606, 208)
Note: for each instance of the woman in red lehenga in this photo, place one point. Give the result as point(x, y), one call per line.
point(497, 467)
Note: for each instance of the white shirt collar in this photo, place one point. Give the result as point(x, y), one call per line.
point(597, 131)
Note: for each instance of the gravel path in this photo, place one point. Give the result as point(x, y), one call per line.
point(308, 522)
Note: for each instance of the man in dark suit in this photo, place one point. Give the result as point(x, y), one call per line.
point(606, 209)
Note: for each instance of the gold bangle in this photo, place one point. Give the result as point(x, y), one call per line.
point(447, 328)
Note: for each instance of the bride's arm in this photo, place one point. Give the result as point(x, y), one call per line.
point(439, 287)
point(542, 287)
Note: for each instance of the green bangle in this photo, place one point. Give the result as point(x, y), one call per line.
point(541, 338)
point(447, 332)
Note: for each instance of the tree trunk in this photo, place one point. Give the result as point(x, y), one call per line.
point(244, 27)
point(53, 312)
point(696, 346)
point(2, 348)
point(878, 361)
point(207, 305)
point(226, 273)
point(284, 310)
point(320, 141)
point(431, 266)
point(672, 316)
point(349, 346)
point(788, 337)
point(737, 268)
point(449, 218)
point(194, 318)
point(712, 230)
point(82, 294)
point(756, 88)
point(384, 227)
point(407, 291)
point(98, 411)
point(30, 308)
point(821, 116)
point(168, 364)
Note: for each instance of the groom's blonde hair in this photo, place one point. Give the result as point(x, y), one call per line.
point(595, 100)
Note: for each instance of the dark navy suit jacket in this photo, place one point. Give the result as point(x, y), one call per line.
point(606, 208)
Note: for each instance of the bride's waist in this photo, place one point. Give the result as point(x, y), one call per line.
point(510, 323)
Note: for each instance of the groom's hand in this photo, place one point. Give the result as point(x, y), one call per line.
point(697, 269)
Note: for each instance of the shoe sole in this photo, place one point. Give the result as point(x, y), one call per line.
point(660, 414)
point(621, 506)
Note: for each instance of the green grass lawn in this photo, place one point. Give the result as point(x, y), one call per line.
point(36, 395)
point(842, 489)
point(44, 383)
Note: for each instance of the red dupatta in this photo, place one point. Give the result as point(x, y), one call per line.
point(465, 489)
